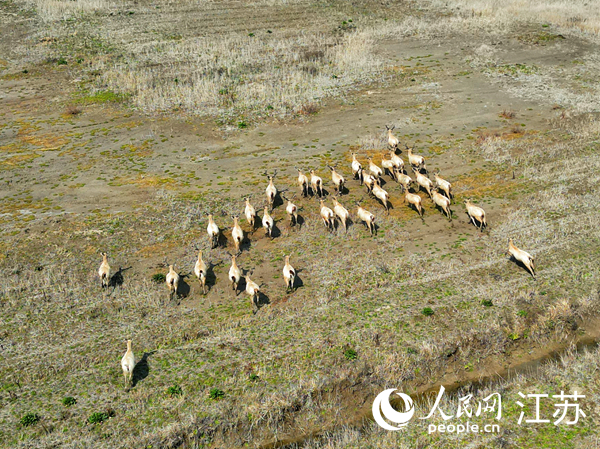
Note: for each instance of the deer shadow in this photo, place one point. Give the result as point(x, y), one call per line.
point(337, 224)
point(275, 232)
point(521, 265)
point(298, 283)
point(141, 369)
point(221, 241)
point(116, 280)
point(261, 301)
point(314, 193)
point(277, 201)
point(183, 288)
point(246, 243)
point(241, 287)
point(475, 222)
point(343, 191)
point(211, 278)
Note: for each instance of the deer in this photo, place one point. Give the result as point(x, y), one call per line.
point(302, 183)
point(522, 256)
point(367, 218)
point(289, 274)
point(200, 270)
point(268, 222)
point(237, 233)
point(397, 161)
point(424, 182)
point(253, 290)
point(342, 213)
point(404, 180)
point(271, 190)
point(369, 181)
point(382, 196)
point(250, 213)
point(376, 171)
point(415, 200)
point(356, 169)
point(128, 364)
point(235, 273)
point(415, 160)
point(476, 214)
point(392, 140)
point(172, 280)
point(388, 166)
point(104, 271)
point(316, 183)
point(338, 180)
point(327, 216)
point(443, 185)
point(213, 231)
point(292, 211)
point(443, 202)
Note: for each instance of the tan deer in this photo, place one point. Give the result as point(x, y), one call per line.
point(200, 271)
point(289, 274)
point(476, 214)
point(522, 256)
point(367, 218)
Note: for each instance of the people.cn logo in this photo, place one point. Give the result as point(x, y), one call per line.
point(381, 404)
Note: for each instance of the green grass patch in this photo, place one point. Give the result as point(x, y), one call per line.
point(101, 97)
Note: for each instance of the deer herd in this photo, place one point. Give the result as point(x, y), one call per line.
point(438, 190)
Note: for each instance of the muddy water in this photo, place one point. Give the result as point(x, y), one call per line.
point(423, 398)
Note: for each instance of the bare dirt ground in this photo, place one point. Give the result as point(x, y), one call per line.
point(90, 164)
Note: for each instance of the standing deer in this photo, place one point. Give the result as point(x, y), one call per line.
point(392, 140)
point(271, 190)
point(302, 182)
point(356, 169)
point(316, 183)
point(338, 180)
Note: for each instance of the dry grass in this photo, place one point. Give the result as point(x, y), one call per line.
point(508, 114)
point(242, 76)
point(577, 370)
point(569, 16)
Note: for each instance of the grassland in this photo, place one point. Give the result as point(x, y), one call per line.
point(123, 125)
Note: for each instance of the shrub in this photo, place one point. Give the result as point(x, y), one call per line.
point(175, 390)
point(29, 419)
point(159, 277)
point(427, 311)
point(216, 394)
point(254, 377)
point(72, 110)
point(487, 303)
point(350, 354)
point(69, 401)
point(98, 417)
point(309, 109)
point(508, 114)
